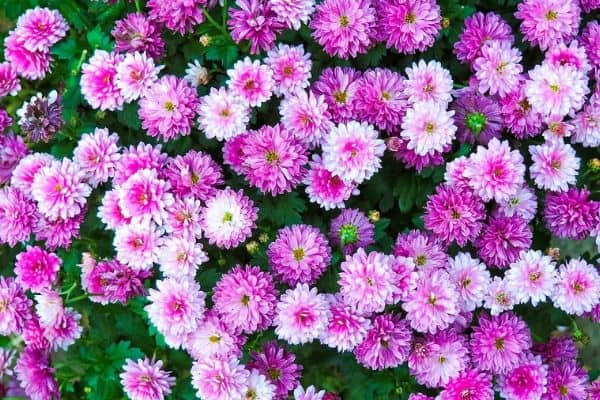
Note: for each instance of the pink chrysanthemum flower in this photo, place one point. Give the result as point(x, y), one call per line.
point(590, 39)
point(498, 298)
point(255, 21)
point(470, 384)
point(36, 375)
point(9, 81)
point(589, 5)
point(477, 117)
point(502, 239)
point(136, 73)
point(434, 305)
point(428, 128)
point(471, 279)
point(555, 165)
point(578, 287)
point(219, 379)
point(324, 188)
point(531, 277)
point(18, 216)
point(293, 13)
point(222, 115)
point(98, 84)
point(16, 308)
point(183, 218)
point(251, 81)
point(146, 380)
point(446, 358)
point(228, 218)
point(305, 115)
point(522, 204)
point(557, 128)
point(478, 30)
point(168, 108)
point(137, 245)
point(495, 172)
point(309, 394)
point(414, 160)
point(558, 349)
point(59, 232)
point(41, 28)
point(110, 212)
point(408, 26)
point(195, 173)
point(178, 15)
point(28, 64)
point(278, 366)
point(572, 55)
point(587, 126)
point(545, 22)
point(339, 86)
point(498, 68)
point(386, 344)
point(259, 387)
point(65, 331)
point(380, 99)
point(521, 119)
point(300, 254)
point(136, 32)
point(571, 214)
point(36, 268)
point(12, 150)
point(60, 190)
point(405, 278)
point(527, 381)
point(211, 339)
point(353, 151)
point(245, 299)
point(179, 257)
point(144, 197)
point(139, 157)
point(424, 249)
point(499, 343)
point(566, 381)
point(291, 67)
point(97, 155)
point(346, 327)
point(428, 82)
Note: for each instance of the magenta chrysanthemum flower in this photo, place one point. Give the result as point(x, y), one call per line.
point(278, 366)
point(18, 216)
point(446, 357)
point(555, 165)
point(351, 230)
point(566, 381)
point(16, 307)
point(36, 268)
point(572, 55)
point(293, 13)
point(408, 26)
point(255, 21)
point(97, 155)
point(245, 299)
point(228, 218)
point(300, 254)
point(519, 116)
point(502, 239)
point(168, 108)
point(425, 250)
point(305, 114)
point(144, 197)
point(136, 32)
point(179, 257)
point(477, 117)
point(497, 69)
point(346, 327)
point(527, 381)
point(578, 287)
point(195, 173)
point(98, 84)
point(29, 64)
point(219, 379)
point(146, 380)
point(251, 81)
point(571, 214)
point(478, 30)
point(428, 128)
point(177, 15)
point(41, 28)
point(65, 331)
point(344, 28)
point(558, 349)
point(137, 245)
point(531, 277)
point(499, 343)
point(12, 150)
point(110, 212)
point(470, 384)
point(302, 315)
point(222, 115)
point(339, 86)
point(59, 232)
point(212, 339)
point(428, 82)
point(545, 22)
point(291, 67)
point(136, 73)
point(587, 128)
point(471, 279)
point(139, 157)
point(324, 188)
point(36, 375)
point(9, 81)
point(590, 39)
point(413, 160)
point(387, 343)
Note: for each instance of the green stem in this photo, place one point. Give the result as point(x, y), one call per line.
point(137, 6)
point(69, 290)
point(224, 17)
point(78, 298)
point(214, 23)
point(81, 59)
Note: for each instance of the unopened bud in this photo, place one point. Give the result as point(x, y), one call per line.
point(394, 143)
point(263, 237)
point(221, 262)
point(594, 164)
point(205, 40)
point(553, 252)
point(252, 247)
point(445, 22)
point(374, 216)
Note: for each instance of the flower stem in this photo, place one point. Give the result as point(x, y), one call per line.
point(137, 6)
point(214, 23)
point(224, 17)
point(76, 299)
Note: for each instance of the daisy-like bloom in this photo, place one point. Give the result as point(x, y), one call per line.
point(425, 250)
point(146, 380)
point(309, 394)
point(351, 230)
point(499, 343)
point(408, 26)
point(545, 22)
point(339, 86)
point(194, 173)
point(521, 119)
point(477, 117)
point(110, 212)
point(41, 118)
point(228, 218)
point(259, 388)
point(428, 128)
point(222, 115)
point(572, 55)
point(324, 188)
point(305, 114)
point(587, 126)
point(135, 74)
point(428, 82)
point(522, 204)
point(353, 151)
point(196, 74)
point(346, 327)
point(139, 157)
point(555, 165)
point(180, 257)
point(497, 68)
point(15, 309)
point(479, 29)
point(36, 375)
point(144, 197)
point(177, 15)
point(495, 172)
point(453, 214)
point(293, 13)
point(168, 108)
point(41, 28)
point(367, 281)
point(498, 298)
point(578, 287)
point(434, 304)
point(502, 239)
point(219, 379)
point(136, 32)
point(28, 64)
point(49, 307)
point(97, 155)
point(571, 214)
point(471, 278)
point(302, 315)
point(175, 308)
point(387, 343)
point(12, 150)
point(9, 80)
point(60, 190)
point(245, 299)
point(59, 232)
point(274, 160)
point(381, 99)
point(251, 81)
point(470, 384)
point(344, 28)
point(65, 331)
point(446, 359)
point(557, 128)
point(98, 83)
point(291, 67)
point(566, 381)
point(211, 339)
point(531, 277)
point(183, 218)
point(527, 381)
point(137, 245)
point(278, 366)
point(18, 216)
point(590, 38)
point(256, 22)
point(36, 268)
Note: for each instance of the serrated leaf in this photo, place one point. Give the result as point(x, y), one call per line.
point(128, 116)
point(98, 39)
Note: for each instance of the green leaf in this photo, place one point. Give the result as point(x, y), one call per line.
point(98, 39)
point(65, 50)
point(283, 210)
point(129, 116)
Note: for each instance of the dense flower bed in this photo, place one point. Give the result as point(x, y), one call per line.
point(317, 200)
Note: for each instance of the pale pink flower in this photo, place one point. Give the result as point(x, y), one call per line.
point(428, 128)
point(251, 81)
point(136, 73)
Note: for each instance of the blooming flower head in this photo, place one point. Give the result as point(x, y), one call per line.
point(219, 379)
point(144, 197)
point(98, 84)
point(425, 250)
point(566, 381)
point(502, 239)
point(12, 150)
point(168, 108)
point(136, 32)
point(522, 204)
point(387, 343)
point(138, 244)
point(183, 218)
point(590, 37)
point(259, 388)
point(428, 128)
point(178, 15)
point(428, 82)
point(571, 214)
point(36, 268)
point(255, 21)
point(278, 366)
point(555, 165)
point(18, 215)
point(479, 29)
point(527, 381)
point(344, 27)
point(351, 230)
point(340, 87)
point(135, 74)
point(42, 117)
point(195, 173)
point(180, 257)
point(196, 74)
point(531, 277)
point(477, 117)
point(139, 157)
point(28, 64)
point(305, 114)
point(324, 188)
point(558, 349)
point(471, 383)
point(521, 119)
point(498, 298)
point(293, 13)
point(97, 154)
point(578, 287)
point(446, 358)
point(222, 115)
point(587, 127)
point(146, 380)
point(251, 81)
point(497, 69)
point(346, 327)
point(309, 394)
point(40, 28)
point(15, 308)
point(9, 80)
point(59, 232)
point(471, 279)
point(572, 55)
point(291, 67)
point(110, 212)
point(36, 375)
point(211, 339)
